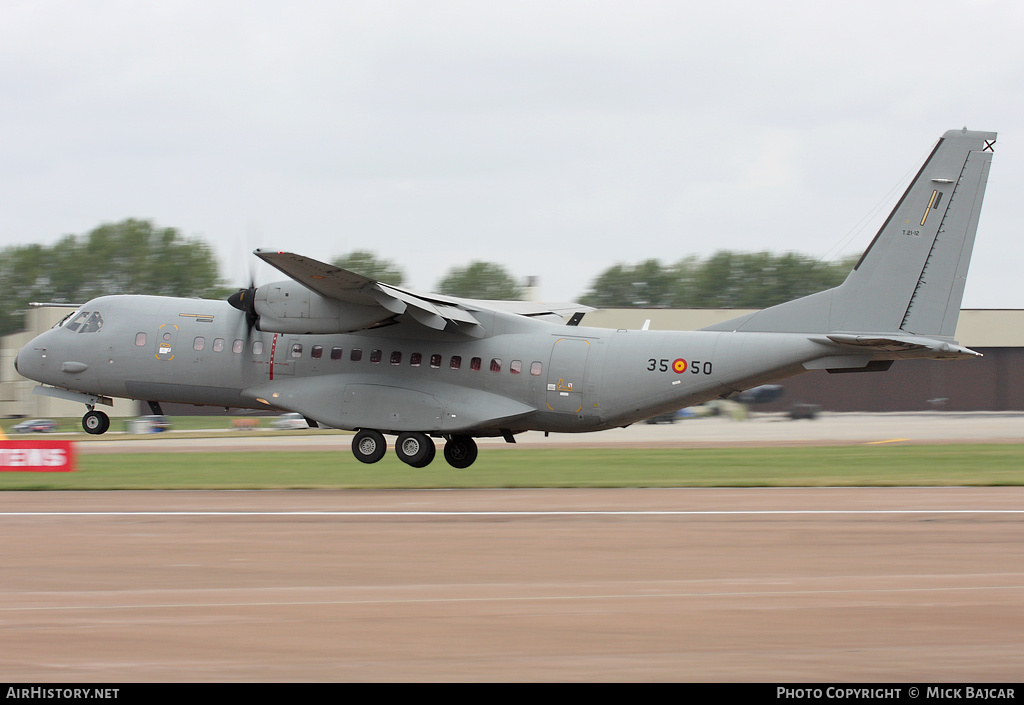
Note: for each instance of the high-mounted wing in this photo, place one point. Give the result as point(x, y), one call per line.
point(323, 298)
point(344, 286)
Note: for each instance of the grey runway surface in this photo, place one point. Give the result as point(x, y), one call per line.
point(879, 584)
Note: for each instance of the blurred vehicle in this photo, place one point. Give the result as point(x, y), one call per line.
point(804, 411)
point(736, 406)
point(764, 394)
point(290, 421)
point(156, 423)
point(670, 417)
point(35, 426)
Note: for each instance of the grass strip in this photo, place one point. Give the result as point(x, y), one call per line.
point(508, 466)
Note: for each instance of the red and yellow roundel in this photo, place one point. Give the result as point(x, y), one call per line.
point(679, 366)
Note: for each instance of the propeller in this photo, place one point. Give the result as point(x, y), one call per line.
point(245, 300)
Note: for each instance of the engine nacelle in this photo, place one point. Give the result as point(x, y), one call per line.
point(289, 307)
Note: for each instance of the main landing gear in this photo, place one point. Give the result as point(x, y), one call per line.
point(95, 422)
point(413, 448)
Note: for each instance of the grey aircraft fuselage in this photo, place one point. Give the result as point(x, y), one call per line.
point(354, 353)
point(527, 375)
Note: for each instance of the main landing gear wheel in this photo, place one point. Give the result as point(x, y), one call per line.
point(415, 449)
point(369, 446)
point(95, 422)
point(460, 451)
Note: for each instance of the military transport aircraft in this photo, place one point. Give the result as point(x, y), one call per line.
point(353, 353)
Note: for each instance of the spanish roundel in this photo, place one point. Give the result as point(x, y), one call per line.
point(679, 365)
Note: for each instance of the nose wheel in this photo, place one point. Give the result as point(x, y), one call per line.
point(95, 422)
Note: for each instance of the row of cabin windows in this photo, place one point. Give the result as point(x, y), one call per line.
point(416, 359)
point(356, 354)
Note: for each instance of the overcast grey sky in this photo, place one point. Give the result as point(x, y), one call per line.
point(555, 138)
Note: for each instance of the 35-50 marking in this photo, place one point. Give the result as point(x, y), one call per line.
point(679, 366)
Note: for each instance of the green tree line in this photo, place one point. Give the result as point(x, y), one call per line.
point(724, 280)
point(137, 257)
point(129, 257)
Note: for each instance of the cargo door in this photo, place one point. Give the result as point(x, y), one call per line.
point(566, 372)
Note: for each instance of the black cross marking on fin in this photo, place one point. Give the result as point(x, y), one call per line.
point(989, 146)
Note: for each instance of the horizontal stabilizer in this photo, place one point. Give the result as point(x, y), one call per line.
point(916, 345)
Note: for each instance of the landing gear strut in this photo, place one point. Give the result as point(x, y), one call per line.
point(95, 422)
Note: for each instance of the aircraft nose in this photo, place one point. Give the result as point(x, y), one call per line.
point(30, 360)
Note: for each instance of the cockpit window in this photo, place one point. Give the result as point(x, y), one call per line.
point(86, 322)
point(61, 322)
point(78, 320)
point(94, 323)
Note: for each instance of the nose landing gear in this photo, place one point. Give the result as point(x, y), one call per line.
point(95, 422)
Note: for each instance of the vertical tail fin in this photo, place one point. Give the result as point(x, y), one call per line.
point(911, 277)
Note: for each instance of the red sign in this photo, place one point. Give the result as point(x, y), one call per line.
point(37, 456)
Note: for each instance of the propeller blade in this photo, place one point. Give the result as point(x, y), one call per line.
point(245, 300)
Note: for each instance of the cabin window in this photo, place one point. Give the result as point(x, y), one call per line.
point(474, 364)
point(416, 359)
point(375, 356)
point(140, 339)
point(435, 361)
point(495, 364)
point(316, 352)
point(257, 347)
point(396, 357)
point(296, 349)
point(237, 346)
point(218, 345)
point(335, 353)
point(456, 362)
point(356, 355)
point(536, 368)
point(199, 343)
point(515, 367)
